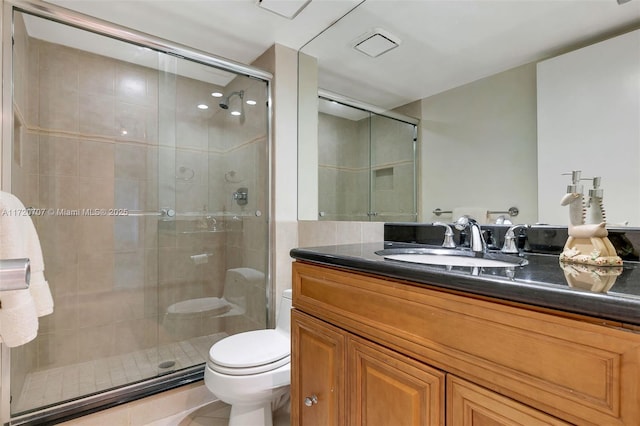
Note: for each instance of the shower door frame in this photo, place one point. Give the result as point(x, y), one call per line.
point(109, 398)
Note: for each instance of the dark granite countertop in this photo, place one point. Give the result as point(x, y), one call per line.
point(610, 294)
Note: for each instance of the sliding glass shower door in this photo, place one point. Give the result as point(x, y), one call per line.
point(152, 171)
point(367, 165)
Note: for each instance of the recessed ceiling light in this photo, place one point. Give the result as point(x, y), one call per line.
point(376, 42)
point(236, 113)
point(203, 106)
point(217, 94)
point(251, 102)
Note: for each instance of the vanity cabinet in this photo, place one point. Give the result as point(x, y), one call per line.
point(377, 387)
point(472, 405)
point(372, 350)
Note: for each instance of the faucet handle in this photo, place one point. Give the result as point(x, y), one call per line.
point(448, 235)
point(510, 245)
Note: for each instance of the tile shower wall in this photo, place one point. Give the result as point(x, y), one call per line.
point(392, 170)
point(365, 165)
point(343, 170)
point(90, 140)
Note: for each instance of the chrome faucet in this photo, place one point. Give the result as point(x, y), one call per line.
point(448, 235)
point(510, 245)
point(477, 242)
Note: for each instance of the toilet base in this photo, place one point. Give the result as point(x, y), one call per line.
point(251, 415)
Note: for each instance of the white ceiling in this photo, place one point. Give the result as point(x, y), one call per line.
point(232, 29)
point(448, 43)
point(444, 43)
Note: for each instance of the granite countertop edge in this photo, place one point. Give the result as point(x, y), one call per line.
point(536, 292)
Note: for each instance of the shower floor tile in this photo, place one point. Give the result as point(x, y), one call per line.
point(46, 387)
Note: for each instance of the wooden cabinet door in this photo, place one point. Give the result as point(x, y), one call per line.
point(387, 388)
point(317, 372)
point(472, 405)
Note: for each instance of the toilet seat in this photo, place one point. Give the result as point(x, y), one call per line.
point(210, 305)
point(250, 352)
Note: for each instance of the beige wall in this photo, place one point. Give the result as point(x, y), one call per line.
point(282, 62)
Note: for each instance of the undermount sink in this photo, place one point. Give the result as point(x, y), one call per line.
point(452, 257)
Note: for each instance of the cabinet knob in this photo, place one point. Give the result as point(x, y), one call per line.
point(310, 400)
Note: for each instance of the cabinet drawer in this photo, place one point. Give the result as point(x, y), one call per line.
point(577, 371)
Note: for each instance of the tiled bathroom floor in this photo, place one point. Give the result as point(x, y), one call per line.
point(217, 414)
point(51, 386)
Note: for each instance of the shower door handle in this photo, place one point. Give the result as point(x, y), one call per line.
point(165, 212)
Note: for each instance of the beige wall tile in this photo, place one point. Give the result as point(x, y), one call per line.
point(96, 342)
point(317, 233)
point(95, 271)
point(58, 192)
point(96, 74)
point(58, 156)
point(57, 349)
point(96, 234)
point(58, 109)
point(97, 113)
point(130, 162)
point(96, 159)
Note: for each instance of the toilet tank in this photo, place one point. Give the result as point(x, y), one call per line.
point(241, 283)
point(284, 312)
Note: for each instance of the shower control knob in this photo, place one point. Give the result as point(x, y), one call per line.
point(310, 400)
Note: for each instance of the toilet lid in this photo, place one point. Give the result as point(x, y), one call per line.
point(251, 351)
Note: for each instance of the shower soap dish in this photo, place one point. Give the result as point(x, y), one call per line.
point(588, 243)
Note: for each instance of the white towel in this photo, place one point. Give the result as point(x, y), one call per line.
point(481, 215)
point(18, 316)
point(39, 286)
point(20, 240)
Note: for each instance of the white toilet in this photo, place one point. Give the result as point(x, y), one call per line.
point(209, 315)
point(252, 370)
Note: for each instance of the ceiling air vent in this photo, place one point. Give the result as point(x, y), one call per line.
point(376, 42)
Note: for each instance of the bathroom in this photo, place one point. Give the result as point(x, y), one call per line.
point(283, 219)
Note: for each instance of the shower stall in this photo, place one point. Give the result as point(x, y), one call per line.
point(367, 168)
point(146, 168)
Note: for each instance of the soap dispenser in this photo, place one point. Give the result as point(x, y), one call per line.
point(587, 242)
point(595, 204)
point(574, 198)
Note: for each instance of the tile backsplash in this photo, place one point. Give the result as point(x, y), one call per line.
point(542, 239)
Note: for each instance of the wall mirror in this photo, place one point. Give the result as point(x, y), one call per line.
point(485, 80)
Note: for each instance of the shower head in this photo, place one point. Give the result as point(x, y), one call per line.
point(225, 102)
